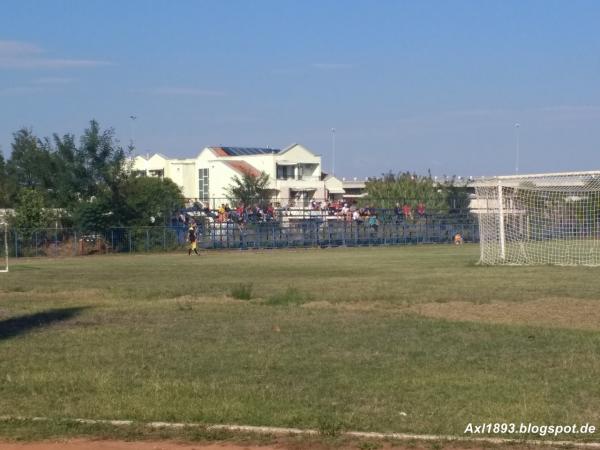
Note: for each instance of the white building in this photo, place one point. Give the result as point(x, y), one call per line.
point(294, 172)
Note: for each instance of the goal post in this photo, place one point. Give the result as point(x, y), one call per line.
point(3, 247)
point(539, 219)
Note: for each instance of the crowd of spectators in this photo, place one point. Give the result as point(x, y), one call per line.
point(241, 214)
point(338, 209)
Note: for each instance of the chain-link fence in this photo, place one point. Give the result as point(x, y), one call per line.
point(306, 230)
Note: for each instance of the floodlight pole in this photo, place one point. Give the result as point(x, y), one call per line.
point(517, 129)
point(333, 151)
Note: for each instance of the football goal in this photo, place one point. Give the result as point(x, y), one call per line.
point(539, 219)
point(3, 247)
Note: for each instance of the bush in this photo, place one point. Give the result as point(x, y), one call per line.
point(242, 291)
point(291, 296)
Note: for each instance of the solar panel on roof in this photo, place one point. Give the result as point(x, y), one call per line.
point(243, 151)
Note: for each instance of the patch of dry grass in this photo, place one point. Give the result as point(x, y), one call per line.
point(569, 313)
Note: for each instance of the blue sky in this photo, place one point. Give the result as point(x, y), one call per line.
point(407, 85)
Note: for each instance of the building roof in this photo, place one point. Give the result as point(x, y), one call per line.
point(243, 151)
point(243, 167)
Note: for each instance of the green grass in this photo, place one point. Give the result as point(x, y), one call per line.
point(290, 296)
point(331, 339)
point(242, 291)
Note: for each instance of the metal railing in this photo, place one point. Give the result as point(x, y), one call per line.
point(284, 232)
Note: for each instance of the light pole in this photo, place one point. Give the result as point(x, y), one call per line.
point(517, 129)
point(333, 151)
point(131, 135)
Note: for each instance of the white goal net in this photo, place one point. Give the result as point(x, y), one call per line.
point(539, 219)
point(3, 247)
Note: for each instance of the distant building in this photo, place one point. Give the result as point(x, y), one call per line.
point(345, 189)
point(294, 172)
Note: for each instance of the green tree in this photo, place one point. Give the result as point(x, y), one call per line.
point(148, 198)
point(103, 161)
point(249, 189)
point(94, 214)
point(4, 185)
point(409, 188)
point(29, 166)
point(69, 167)
point(30, 212)
point(93, 178)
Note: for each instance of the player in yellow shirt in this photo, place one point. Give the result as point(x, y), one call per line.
point(192, 240)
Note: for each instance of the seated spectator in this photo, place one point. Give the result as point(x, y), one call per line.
point(458, 239)
point(398, 212)
point(356, 216)
point(373, 222)
point(240, 210)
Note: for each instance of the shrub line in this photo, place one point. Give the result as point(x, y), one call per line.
point(282, 431)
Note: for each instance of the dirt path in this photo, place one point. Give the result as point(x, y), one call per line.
point(82, 444)
point(85, 444)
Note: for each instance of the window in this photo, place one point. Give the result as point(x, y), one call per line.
point(203, 185)
point(285, 172)
point(157, 173)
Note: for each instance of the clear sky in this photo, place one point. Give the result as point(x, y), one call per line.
point(408, 85)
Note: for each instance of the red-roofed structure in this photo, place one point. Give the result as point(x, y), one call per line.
point(243, 167)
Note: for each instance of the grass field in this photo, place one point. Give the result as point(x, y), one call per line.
point(408, 339)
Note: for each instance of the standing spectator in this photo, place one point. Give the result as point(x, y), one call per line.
point(345, 209)
point(407, 211)
point(398, 212)
point(240, 210)
point(222, 213)
point(421, 209)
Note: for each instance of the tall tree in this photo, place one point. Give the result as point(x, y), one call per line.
point(30, 163)
point(103, 159)
point(249, 189)
point(68, 164)
point(412, 189)
point(151, 200)
point(30, 212)
point(4, 195)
